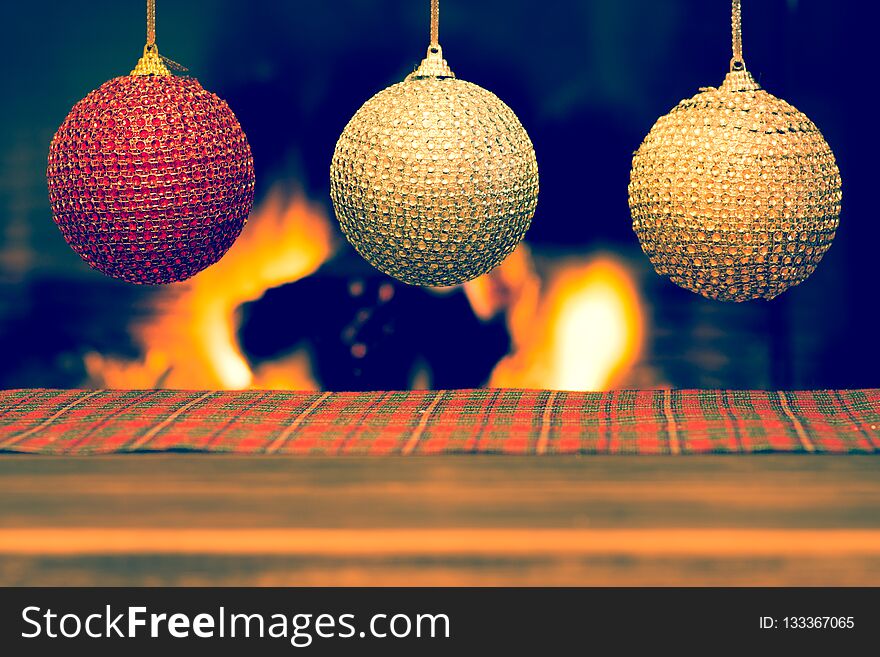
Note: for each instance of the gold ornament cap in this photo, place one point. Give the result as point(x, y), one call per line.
point(739, 80)
point(151, 62)
point(432, 66)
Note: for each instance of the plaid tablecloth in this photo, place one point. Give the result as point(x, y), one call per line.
point(444, 421)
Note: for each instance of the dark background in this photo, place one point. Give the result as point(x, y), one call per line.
point(587, 78)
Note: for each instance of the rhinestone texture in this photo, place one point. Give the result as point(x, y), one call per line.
point(150, 178)
point(434, 180)
point(735, 194)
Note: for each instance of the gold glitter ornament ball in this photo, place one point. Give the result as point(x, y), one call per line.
point(734, 194)
point(434, 180)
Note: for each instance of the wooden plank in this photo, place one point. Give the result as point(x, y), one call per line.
point(442, 542)
point(209, 519)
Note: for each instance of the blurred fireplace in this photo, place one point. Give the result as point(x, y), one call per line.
point(292, 306)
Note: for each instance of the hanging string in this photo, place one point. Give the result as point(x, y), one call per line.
point(435, 23)
point(151, 23)
point(152, 63)
point(737, 63)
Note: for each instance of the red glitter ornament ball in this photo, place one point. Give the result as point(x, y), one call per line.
point(151, 178)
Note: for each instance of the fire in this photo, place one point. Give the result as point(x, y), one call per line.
point(190, 341)
point(581, 329)
point(576, 325)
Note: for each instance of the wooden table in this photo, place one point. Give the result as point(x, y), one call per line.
point(456, 520)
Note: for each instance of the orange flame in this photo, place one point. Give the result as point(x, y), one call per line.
point(190, 341)
point(580, 330)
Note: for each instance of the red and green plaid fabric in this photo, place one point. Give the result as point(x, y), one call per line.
point(439, 422)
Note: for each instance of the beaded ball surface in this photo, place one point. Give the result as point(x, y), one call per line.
point(735, 194)
point(151, 178)
point(434, 180)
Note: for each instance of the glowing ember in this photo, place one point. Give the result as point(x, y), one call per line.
point(190, 342)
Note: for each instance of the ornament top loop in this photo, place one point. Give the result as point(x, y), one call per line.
point(739, 79)
point(433, 65)
point(151, 63)
point(737, 63)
